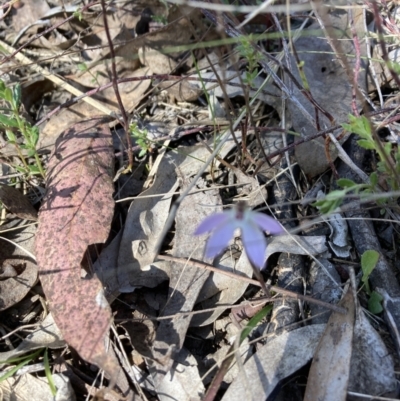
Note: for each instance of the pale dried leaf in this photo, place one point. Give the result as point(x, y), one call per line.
point(185, 281)
point(28, 13)
point(158, 62)
point(339, 241)
point(222, 290)
point(182, 382)
point(372, 369)
point(30, 388)
point(296, 244)
point(144, 224)
point(275, 361)
point(330, 369)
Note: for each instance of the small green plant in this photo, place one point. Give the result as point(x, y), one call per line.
point(78, 14)
point(84, 68)
point(140, 136)
point(160, 19)
point(247, 51)
point(23, 360)
point(388, 168)
point(12, 122)
point(20, 361)
point(369, 259)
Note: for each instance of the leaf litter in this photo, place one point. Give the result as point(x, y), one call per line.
point(182, 308)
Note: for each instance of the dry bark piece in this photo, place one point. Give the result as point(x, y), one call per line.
point(77, 211)
point(17, 203)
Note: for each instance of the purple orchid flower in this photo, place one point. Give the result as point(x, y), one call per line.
point(252, 226)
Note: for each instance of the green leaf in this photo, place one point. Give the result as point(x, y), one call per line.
point(369, 259)
point(359, 125)
point(366, 144)
point(2, 87)
point(47, 371)
point(8, 95)
point(142, 152)
point(345, 183)
point(34, 170)
point(24, 362)
point(31, 152)
point(253, 322)
point(82, 67)
point(374, 303)
point(78, 14)
point(8, 122)
point(16, 96)
point(20, 169)
point(11, 136)
point(34, 133)
point(374, 179)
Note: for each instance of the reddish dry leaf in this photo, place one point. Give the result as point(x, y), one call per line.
point(76, 212)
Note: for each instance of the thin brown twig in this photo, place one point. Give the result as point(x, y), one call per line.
point(123, 80)
point(273, 288)
point(385, 56)
point(115, 85)
point(357, 64)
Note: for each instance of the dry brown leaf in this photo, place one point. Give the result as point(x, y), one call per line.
point(329, 86)
point(330, 369)
point(28, 13)
point(17, 262)
point(17, 203)
point(131, 94)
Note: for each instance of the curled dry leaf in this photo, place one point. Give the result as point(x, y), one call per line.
point(18, 273)
point(17, 203)
point(77, 211)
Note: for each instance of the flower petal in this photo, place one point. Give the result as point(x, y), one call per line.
point(267, 223)
point(211, 222)
point(254, 243)
point(220, 238)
